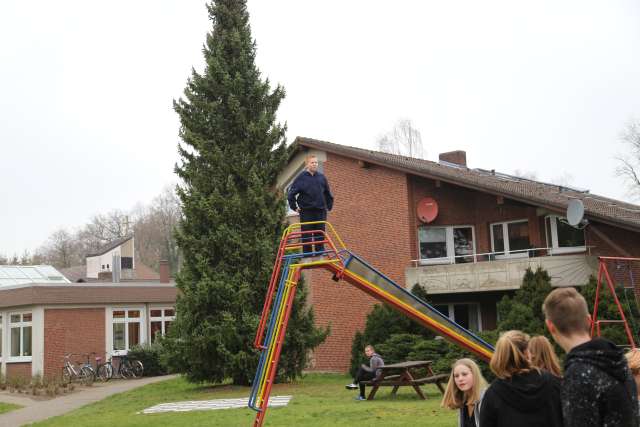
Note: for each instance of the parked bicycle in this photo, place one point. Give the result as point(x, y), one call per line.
point(81, 372)
point(126, 368)
point(104, 371)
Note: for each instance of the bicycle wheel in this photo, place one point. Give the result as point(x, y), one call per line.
point(105, 372)
point(66, 375)
point(87, 375)
point(137, 368)
point(125, 370)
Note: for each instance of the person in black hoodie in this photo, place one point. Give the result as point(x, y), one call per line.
point(522, 396)
point(598, 389)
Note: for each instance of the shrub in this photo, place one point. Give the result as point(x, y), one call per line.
point(151, 357)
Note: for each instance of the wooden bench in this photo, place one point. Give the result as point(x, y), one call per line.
point(388, 379)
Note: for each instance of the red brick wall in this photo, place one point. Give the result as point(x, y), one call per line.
point(371, 216)
point(19, 370)
point(71, 330)
point(461, 206)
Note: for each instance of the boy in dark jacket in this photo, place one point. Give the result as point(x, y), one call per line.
point(310, 196)
point(598, 389)
point(366, 373)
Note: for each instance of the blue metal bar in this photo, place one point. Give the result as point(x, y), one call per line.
point(269, 335)
point(444, 318)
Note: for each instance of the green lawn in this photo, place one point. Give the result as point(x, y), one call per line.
point(318, 400)
point(6, 407)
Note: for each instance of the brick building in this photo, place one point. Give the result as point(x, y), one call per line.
point(44, 316)
point(489, 229)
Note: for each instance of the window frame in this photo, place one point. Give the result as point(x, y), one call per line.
point(21, 325)
point(505, 233)
point(162, 319)
point(126, 321)
point(553, 246)
point(450, 244)
point(451, 311)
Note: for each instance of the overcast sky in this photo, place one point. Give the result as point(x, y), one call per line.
point(86, 89)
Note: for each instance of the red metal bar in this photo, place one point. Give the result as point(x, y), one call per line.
point(280, 340)
point(617, 258)
point(275, 275)
point(381, 297)
point(615, 298)
point(594, 316)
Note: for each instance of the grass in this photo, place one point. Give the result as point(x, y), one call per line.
point(6, 407)
point(318, 400)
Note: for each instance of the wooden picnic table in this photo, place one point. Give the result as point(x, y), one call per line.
point(400, 374)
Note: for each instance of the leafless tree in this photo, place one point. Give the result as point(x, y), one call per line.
point(629, 163)
point(563, 180)
point(62, 249)
point(403, 139)
point(532, 175)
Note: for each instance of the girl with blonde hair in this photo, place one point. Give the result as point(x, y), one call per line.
point(543, 356)
point(522, 395)
point(464, 392)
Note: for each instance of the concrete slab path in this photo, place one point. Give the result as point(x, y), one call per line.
point(38, 410)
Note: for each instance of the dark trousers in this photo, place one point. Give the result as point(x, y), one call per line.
point(363, 375)
point(307, 215)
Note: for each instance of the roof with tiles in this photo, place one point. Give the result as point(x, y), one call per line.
point(553, 197)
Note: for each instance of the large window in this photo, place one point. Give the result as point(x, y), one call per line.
point(562, 237)
point(445, 245)
point(510, 239)
point(126, 327)
point(466, 315)
point(20, 335)
point(161, 319)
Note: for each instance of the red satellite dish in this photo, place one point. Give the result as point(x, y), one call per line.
point(427, 209)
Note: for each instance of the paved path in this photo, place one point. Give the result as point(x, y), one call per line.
point(35, 410)
point(206, 405)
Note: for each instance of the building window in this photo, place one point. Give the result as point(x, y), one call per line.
point(126, 327)
point(20, 341)
point(161, 320)
point(1, 336)
point(510, 239)
point(562, 237)
point(466, 315)
point(446, 245)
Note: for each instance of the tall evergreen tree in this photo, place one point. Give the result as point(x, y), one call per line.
point(232, 150)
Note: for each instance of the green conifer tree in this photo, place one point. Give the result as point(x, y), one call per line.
point(231, 153)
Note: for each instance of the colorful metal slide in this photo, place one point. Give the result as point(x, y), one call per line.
point(344, 265)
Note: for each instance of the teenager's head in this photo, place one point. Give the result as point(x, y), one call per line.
point(369, 350)
point(543, 356)
point(311, 162)
point(566, 314)
point(510, 356)
point(465, 384)
point(633, 358)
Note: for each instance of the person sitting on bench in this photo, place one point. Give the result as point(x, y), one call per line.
point(366, 373)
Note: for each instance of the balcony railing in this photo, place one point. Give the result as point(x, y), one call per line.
point(493, 256)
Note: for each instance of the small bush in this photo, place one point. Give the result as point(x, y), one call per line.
point(150, 356)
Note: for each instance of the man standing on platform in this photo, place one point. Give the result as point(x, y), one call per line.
point(310, 196)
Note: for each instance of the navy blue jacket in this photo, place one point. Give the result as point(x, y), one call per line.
point(310, 192)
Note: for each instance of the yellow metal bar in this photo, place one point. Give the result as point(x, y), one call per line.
point(289, 283)
point(298, 225)
point(419, 314)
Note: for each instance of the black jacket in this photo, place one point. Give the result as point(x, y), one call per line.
point(598, 389)
point(310, 192)
point(526, 400)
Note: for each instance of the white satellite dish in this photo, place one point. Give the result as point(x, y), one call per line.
point(575, 212)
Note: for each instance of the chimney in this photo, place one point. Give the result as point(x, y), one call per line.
point(164, 271)
point(457, 157)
